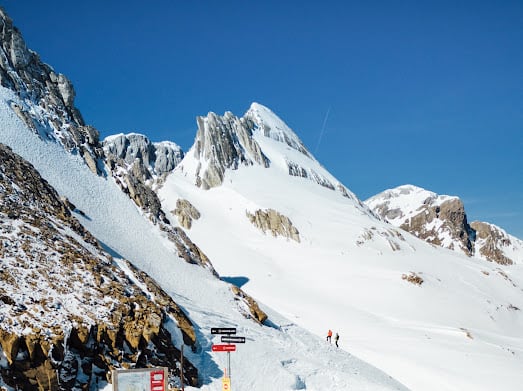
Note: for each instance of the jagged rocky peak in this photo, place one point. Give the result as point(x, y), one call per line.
point(228, 142)
point(438, 219)
point(158, 158)
point(139, 166)
point(46, 102)
point(224, 142)
point(69, 313)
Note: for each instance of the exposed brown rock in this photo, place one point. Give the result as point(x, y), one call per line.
point(254, 310)
point(413, 278)
point(274, 222)
point(188, 250)
point(10, 343)
point(454, 223)
point(186, 213)
point(489, 239)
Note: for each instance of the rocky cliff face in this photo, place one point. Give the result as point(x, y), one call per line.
point(224, 143)
point(68, 313)
point(157, 158)
point(139, 166)
point(442, 221)
point(47, 97)
point(494, 244)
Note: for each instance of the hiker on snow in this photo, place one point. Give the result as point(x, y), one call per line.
point(336, 339)
point(329, 335)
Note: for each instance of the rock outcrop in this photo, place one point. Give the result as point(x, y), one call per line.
point(222, 143)
point(274, 222)
point(68, 313)
point(491, 241)
point(248, 306)
point(157, 158)
point(47, 98)
point(186, 213)
point(440, 220)
point(443, 224)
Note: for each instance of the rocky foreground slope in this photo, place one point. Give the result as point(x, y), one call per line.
point(68, 313)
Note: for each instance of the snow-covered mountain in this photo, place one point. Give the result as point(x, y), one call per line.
point(161, 256)
point(296, 251)
point(442, 220)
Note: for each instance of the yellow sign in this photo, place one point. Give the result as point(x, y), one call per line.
point(226, 384)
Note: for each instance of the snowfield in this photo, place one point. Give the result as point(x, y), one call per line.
point(281, 355)
point(461, 329)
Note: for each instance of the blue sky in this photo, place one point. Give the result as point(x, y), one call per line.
point(422, 92)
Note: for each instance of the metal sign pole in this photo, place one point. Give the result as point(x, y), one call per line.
point(181, 370)
point(229, 362)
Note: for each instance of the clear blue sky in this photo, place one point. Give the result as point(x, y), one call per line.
point(422, 92)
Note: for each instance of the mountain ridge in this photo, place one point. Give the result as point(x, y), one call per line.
point(442, 220)
point(345, 272)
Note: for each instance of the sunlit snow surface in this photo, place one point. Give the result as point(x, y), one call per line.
point(282, 356)
point(458, 331)
point(344, 275)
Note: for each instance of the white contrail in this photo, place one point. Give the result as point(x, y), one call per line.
point(322, 129)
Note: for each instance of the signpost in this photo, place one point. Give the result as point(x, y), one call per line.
point(223, 348)
point(233, 339)
point(223, 330)
point(229, 339)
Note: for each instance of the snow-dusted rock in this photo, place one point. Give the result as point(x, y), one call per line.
point(46, 98)
point(168, 156)
point(442, 221)
point(224, 143)
point(494, 244)
point(68, 313)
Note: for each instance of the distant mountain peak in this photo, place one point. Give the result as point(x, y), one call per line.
point(260, 138)
point(442, 220)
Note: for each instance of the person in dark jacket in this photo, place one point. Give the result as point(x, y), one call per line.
point(336, 338)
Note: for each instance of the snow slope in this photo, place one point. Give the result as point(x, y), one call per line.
point(280, 356)
point(459, 330)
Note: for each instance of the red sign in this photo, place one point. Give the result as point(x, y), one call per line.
point(223, 348)
point(157, 381)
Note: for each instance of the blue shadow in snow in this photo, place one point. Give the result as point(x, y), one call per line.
point(238, 281)
point(109, 250)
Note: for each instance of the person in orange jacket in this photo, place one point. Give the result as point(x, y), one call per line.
point(329, 335)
